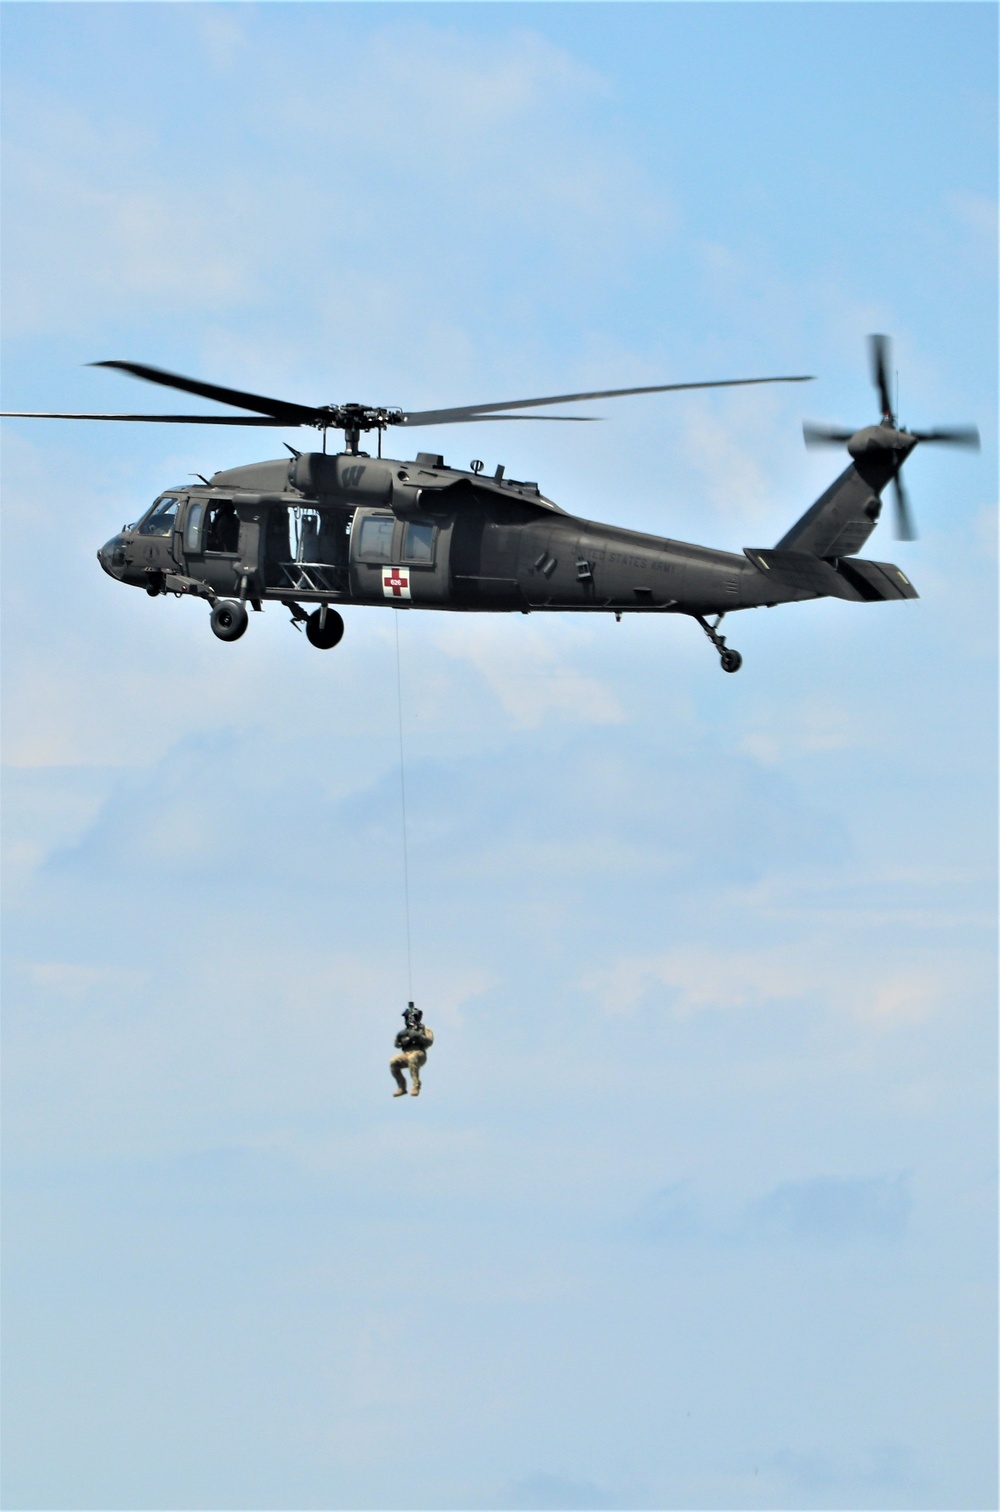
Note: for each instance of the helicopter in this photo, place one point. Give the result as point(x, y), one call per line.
point(317, 530)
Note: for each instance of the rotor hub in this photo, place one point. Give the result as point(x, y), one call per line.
point(354, 419)
point(881, 438)
point(359, 417)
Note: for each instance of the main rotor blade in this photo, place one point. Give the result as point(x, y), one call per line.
point(879, 347)
point(905, 528)
point(955, 435)
point(279, 409)
point(824, 435)
point(468, 412)
point(585, 419)
point(158, 419)
point(240, 419)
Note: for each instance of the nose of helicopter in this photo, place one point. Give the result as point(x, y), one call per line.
point(112, 557)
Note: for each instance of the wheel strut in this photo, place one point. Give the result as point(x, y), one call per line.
point(731, 660)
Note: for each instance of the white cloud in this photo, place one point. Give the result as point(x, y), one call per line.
point(731, 465)
point(440, 147)
point(977, 214)
point(698, 979)
point(59, 980)
point(527, 673)
point(907, 998)
point(224, 40)
point(92, 229)
point(806, 727)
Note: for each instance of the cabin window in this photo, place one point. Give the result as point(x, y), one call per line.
point(192, 533)
point(375, 544)
point(418, 541)
point(160, 520)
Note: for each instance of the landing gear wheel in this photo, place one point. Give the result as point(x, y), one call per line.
point(324, 636)
point(229, 619)
point(731, 660)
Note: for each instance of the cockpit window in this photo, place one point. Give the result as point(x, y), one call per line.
point(375, 543)
point(160, 520)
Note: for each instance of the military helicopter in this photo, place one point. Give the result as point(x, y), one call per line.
point(324, 530)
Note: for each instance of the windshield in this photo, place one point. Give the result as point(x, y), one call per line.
point(160, 520)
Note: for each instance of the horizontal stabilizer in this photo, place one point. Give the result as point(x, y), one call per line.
point(800, 569)
point(876, 580)
point(846, 578)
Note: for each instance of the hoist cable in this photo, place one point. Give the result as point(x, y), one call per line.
point(402, 794)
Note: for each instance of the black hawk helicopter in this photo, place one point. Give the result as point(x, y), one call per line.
point(324, 530)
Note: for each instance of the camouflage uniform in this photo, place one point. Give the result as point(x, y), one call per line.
point(411, 1060)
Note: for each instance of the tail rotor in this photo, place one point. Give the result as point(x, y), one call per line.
point(888, 438)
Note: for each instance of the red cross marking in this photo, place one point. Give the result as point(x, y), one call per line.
point(396, 580)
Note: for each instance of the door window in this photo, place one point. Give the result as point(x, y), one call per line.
point(192, 532)
point(375, 543)
point(160, 520)
point(222, 528)
point(418, 541)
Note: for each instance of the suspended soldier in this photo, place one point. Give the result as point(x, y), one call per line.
point(412, 1043)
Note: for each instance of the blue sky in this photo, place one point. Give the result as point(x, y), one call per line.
point(698, 1208)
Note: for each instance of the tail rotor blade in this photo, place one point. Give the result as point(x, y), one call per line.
point(879, 347)
point(952, 435)
point(905, 528)
point(824, 435)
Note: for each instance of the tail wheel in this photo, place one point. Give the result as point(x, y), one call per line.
point(324, 636)
point(229, 619)
point(732, 661)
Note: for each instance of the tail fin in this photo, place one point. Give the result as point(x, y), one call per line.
point(842, 519)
